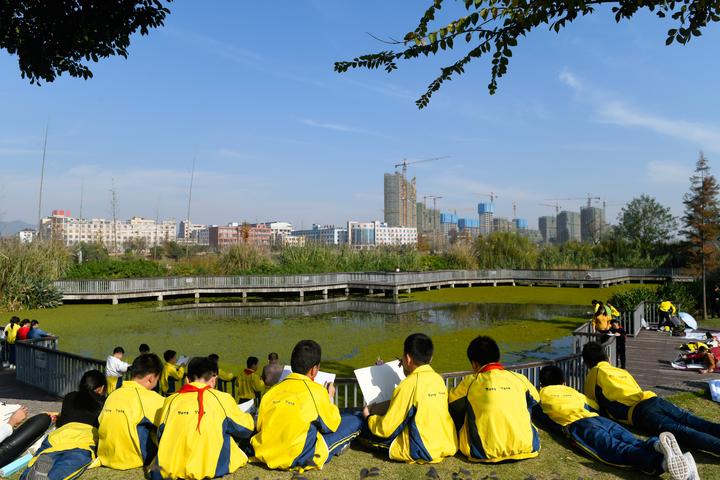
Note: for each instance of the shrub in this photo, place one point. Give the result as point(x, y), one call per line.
point(117, 268)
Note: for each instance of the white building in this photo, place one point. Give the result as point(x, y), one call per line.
point(373, 234)
point(280, 231)
point(27, 235)
point(190, 232)
point(114, 235)
point(323, 234)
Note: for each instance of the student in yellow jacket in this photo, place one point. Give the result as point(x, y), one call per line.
point(564, 410)
point(199, 429)
point(130, 416)
point(298, 427)
point(249, 383)
point(70, 449)
point(417, 427)
point(667, 310)
point(172, 375)
point(11, 331)
point(224, 379)
point(494, 407)
point(621, 398)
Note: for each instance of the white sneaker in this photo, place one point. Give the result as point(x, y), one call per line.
point(692, 467)
point(41, 468)
point(675, 463)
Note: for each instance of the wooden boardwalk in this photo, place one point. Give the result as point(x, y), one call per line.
point(37, 401)
point(648, 358)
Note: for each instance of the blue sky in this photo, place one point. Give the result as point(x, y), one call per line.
point(248, 87)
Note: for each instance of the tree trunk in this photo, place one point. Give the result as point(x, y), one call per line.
point(704, 289)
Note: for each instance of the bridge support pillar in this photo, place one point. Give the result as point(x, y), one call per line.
point(438, 287)
point(427, 288)
point(396, 292)
point(559, 285)
point(409, 290)
point(244, 296)
point(160, 297)
point(302, 295)
point(582, 285)
point(370, 291)
point(513, 283)
point(469, 285)
point(114, 300)
point(452, 285)
point(494, 284)
point(325, 294)
point(347, 291)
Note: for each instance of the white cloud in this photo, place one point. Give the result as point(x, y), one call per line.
point(668, 172)
point(570, 80)
point(338, 127)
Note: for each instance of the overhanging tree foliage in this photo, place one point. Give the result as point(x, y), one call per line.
point(52, 37)
point(702, 221)
point(646, 222)
point(494, 27)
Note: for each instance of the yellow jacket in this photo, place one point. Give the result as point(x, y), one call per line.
point(196, 448)
point(77, 441)
point(497, 423)
point(611, 310)
point(601, 321)
point(419, 410)
point(225, 380)
point(292, 417)
point(667, 306)
point(127, 427)
point(171, 378)
point(565, 405)
point(249, 384)
point(615, 391)
point(11, 333)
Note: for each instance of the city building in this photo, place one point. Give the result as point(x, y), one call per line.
point(468, 228)
point(375, 234)
point(189, 232)
point(116, 236)
point(400, 201)
point(323, 235)
point(592, 224)
point(428, 219)
point(548, 228)
point(486, 211)
point(448, 228)
point(293, 241)
point(502, 225)
point(568, 226)
point(280, 232)
point(221, 237)
point(27, 235)
point(520, 224)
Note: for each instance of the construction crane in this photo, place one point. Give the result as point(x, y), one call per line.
point(514, 205)
point(492, 196)
point(403, 187)
point(589, 199)
point(555, 205)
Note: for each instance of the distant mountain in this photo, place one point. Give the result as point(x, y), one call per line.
point(11, 228)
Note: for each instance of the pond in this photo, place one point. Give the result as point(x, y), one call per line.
point(352, 333)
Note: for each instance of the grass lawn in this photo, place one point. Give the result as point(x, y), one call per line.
point(538, 295)
point(557, 460)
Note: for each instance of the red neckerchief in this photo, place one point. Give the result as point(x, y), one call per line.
point(491, 366)
point(188, 388)
point(248, 371)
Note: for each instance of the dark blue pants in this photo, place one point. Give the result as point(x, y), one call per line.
point(613, 444)
point(350, 425)
point(373, 441)
point(656, 415)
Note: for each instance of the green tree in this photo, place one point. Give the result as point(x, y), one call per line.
point(646, 222)
point(702, 222)
point(52, 37)
point(494, 27)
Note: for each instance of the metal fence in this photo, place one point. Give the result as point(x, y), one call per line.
point(358, 279)
point(41, 365)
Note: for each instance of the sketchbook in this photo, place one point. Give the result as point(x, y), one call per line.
point(379, 381)
point(322, 377)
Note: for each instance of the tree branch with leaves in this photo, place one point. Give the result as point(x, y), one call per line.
point(494, 28)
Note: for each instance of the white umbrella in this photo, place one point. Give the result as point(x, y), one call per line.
point(689, 320)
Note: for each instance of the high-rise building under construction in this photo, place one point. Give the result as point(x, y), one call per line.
point(400, 201)
point(592, 224)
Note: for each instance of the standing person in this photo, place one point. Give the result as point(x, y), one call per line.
point(493, 407)
point(298, 427)
point(601, 322)
point(249, 384)
point(24, 330)
point(272, 371)
point(566, 411)
point(70, 449)
point(225, 377)
point(172, 375)
point(621, 399)
point(666, 310)
point(200, 427)
point(115, 368)
point(36, 331)
point(129, 419)
point(620, 336)
point(11, 331)
point(417, 427)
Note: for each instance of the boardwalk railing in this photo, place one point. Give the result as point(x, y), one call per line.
point(391, 281)
point(41, 365)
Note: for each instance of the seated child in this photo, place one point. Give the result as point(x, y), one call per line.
point(563, 409)
point(707, 357)
point(115, 368)
point(298, 427)
point(172, 375)
point(493, 405)
point(70, 449)
point(417, 426)
point(129, 418)
point(249, 384)
point(200, 427)
point(224, 378)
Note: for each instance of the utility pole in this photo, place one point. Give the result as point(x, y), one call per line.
point(42, 179)
point(187, 221)
point(114, 206)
